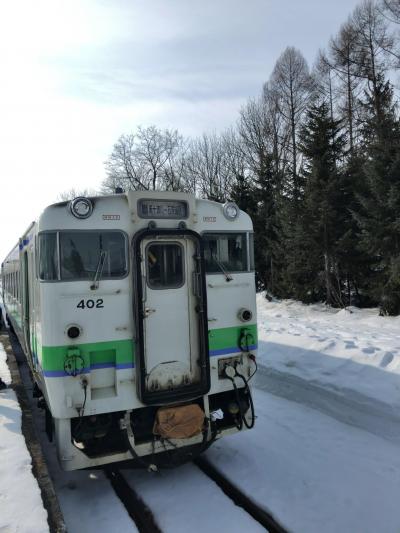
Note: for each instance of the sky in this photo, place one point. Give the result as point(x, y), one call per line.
point(76, 74)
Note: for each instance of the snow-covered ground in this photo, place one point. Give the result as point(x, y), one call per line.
point(21, 507)
point(314, 472)
point(316, 475)
point(343, 362)
point(352, 349)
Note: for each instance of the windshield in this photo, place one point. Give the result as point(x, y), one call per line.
point(228, 250)
point(77, 257)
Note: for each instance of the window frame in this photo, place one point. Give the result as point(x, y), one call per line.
point(76, 280)
point(166, 287)
point(247, 234)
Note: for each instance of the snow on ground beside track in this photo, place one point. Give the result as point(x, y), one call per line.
point(21, 507)
point(342, 350)
point(313, 473)
point(87, 500)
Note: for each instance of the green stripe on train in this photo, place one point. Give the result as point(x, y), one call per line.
point(223, 338)
point(123, 351)
point(93, 353)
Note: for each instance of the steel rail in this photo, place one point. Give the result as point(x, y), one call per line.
point(134, 505)
point(263, 517)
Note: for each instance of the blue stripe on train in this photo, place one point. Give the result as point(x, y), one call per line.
point(232, 349)
point(86, 370)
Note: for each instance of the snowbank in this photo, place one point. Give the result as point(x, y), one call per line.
point(20, 500)
point(356, 350)
point(353, 354)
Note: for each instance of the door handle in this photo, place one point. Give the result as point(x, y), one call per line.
point(148, 311)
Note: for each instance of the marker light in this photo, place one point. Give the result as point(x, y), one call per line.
point(81, 207)
point(231, 211)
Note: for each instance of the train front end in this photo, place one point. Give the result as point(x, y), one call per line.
point(144, 327)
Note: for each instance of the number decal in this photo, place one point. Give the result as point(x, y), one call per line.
point(90, 304)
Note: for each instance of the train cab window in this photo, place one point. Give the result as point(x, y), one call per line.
point(48, 256)
point(225, 251)
point(165, 268)
point(80, 253)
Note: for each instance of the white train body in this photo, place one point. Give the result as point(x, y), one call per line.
point(141, 304)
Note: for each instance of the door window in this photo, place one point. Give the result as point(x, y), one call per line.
point(165, 265)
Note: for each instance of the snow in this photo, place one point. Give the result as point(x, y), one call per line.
point(184, 499)
point(353, 354)
point(87, 500)
point(20, 500)
point(313, 473)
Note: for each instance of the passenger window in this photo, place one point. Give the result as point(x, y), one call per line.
point(225, 251)
point(165, 266)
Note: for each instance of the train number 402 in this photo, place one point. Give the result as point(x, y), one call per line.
point(91, 304)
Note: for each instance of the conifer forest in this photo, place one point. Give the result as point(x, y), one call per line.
point(314, 159)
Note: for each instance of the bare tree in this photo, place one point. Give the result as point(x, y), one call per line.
point(391, 8)
point(374, 48)
point(74, 193)
point(154, 148)
point(205, 165)
point(253, 130)
point(323, 75)
point(277, 128)
point(124, 168)
point(143, 160)
point(292, 83)
point(176, 174)
point(234, 163)
point(341, 61)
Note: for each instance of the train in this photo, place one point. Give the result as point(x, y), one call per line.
point(137, 315)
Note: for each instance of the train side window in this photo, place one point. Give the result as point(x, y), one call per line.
point(226, 250)
point(48, 256)
point(251, 252)
point(165, 266)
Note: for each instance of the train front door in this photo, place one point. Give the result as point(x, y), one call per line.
point(173, 346)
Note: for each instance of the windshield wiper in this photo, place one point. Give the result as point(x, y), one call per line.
point(99, 270)
point(228, 276)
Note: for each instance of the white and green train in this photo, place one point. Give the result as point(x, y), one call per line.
point(137, 316)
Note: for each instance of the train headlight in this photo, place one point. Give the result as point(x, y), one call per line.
point(245, 315)
point(81, 207)
point(231, 211)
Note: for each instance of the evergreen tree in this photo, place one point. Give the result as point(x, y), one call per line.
point(323, 218)
point(354, 261)
point(379, 214)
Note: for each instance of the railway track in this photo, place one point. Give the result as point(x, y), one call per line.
point(263, 517)
point(145, 521)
